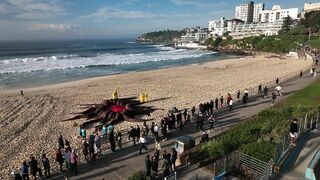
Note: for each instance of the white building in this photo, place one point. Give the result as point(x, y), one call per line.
point(195, 35)
point(311, 7)
point(249, 12)
point(217, 27)
point(256, 29)
point(277, 14)
point(257, 8)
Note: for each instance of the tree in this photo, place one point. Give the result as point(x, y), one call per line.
point(287, 24)
point(216, 42)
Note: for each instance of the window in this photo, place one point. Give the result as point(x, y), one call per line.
point(277, 15)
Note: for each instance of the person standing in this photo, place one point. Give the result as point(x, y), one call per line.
point(221, 102)
point(211, 120)
point(60, 142)
point(300, 74)
point(277, 81)
point(246, 93)
point(156, 130)
point(238, 95)
point(46, 165)
point(148, 165)
point(216, 103)
point(112, 141)
point(157, 145)
point(132, 134)
point(314, 75)
point(154, 168)
point(24, 171)
point(174, 156)
point(85, 150)
point(119, 139)
point(230, 104)
point(83, 132)
point(33, 164)
point(259, 89)
point(104, 132)
point(138, 132)
point(193, 110)
point(66, 155)
point(179, 119)
point(59, 158)
point(185, 113)
point(97, 142)
point(143, 143)
point(165, 167)
point(74, 162)
point(211, 106)
point(146, 128)
point(91, 151)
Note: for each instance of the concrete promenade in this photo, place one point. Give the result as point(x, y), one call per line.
point(121, 164)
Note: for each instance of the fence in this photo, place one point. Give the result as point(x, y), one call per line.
point(172, 176)
point(238, 161)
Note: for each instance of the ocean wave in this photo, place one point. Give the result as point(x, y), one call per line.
point(21, 65)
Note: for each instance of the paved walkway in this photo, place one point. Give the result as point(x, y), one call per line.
point(299, 169)
point(120, 165)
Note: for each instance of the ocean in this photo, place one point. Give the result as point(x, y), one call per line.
point(29, 64)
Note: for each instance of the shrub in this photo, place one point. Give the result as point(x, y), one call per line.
point(138, 175)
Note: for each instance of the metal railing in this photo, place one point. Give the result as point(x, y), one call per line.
point(242, 162)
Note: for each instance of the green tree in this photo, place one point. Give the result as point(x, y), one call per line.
point(216, 42)
point(287, 24)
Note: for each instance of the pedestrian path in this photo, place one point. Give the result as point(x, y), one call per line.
point(120, 165)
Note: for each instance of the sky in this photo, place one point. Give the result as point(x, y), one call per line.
point(112, 19)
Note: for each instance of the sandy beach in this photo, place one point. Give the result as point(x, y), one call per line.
point(31, 124)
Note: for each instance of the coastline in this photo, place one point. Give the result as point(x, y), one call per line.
point(35, 118)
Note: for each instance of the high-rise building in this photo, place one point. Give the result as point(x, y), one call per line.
point(278, 14)
point(249, 12)
point(257, 8)
point(245, 12)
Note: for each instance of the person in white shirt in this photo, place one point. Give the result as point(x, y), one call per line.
point(279, 90)
point(143, 143)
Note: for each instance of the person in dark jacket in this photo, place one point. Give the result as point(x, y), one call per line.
point(294, 130)
point(46, 165)
point(60, 142)
point(33, 164)
point(216, 103)
point(154, 168)
point(204, 137)
point(244, 100)
point(173, 159)
point(193, 110)
point(148, 165)
point(112, 141)
point(132, 134)
point(166, 167)
point(211, 106)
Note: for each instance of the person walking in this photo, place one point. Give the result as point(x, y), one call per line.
point(143, 143)
point(46, 165)
point(265, 92)
point(293, 132)
point(97, 142)
point(244, 100)
point(148, 165)
point(300, 74)
point(66, 155)
point(146, 128)
point(185, 113)
point(246, 93)
point(157, 145)
point(24, 171)
point(274, 96)
point(104, 132)
point(216, 103)
point(277, 81)
point(314, 75)
point(193, 110)
point(156, 130)
point(92, 155)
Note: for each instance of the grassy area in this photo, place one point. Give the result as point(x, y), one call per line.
point(315, 43)
point(308, 97)
point(259, 136)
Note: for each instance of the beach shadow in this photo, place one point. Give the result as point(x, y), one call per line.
point(102, 173)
